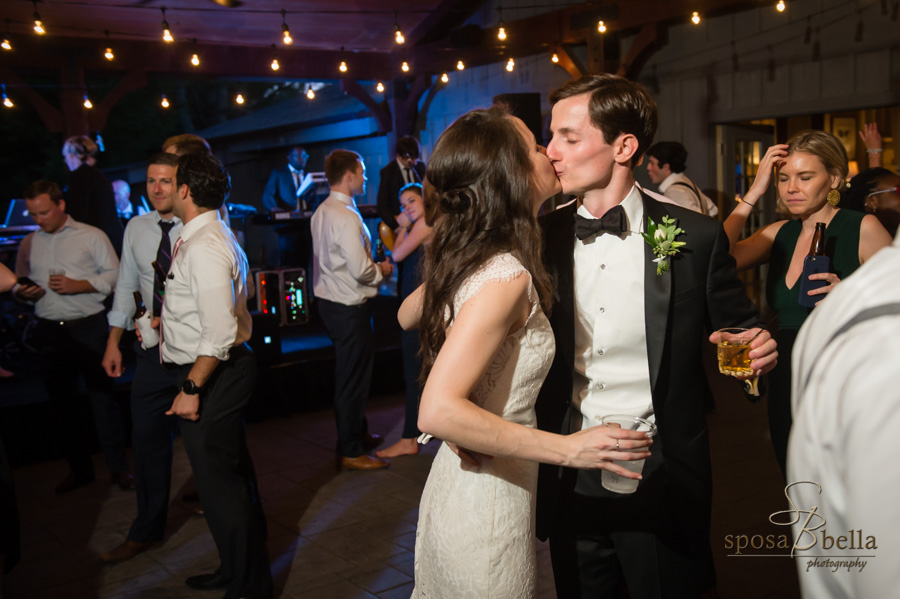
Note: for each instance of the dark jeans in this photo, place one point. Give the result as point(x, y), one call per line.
point(152, 393)
point(350, 329)
point(412, 367)
point(65, 352)
point(217, 447)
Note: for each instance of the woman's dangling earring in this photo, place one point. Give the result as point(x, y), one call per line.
point(833, 197)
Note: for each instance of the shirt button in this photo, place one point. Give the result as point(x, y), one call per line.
point(602, 267)
point(601, 386)
point(602, 309)
point(599, 352)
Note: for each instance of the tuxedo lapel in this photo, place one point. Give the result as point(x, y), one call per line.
point(657, 294)
point(560, 239)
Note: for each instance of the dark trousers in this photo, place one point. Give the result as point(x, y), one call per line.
point(226, 481)
point(412, 367)
point(9, 515)
point(152, 393)
point(350, 329)
point(597, 555)
point(65, 352)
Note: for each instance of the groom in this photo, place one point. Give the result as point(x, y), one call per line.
point(628, 341)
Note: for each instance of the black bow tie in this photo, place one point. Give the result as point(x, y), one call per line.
point(613, 221)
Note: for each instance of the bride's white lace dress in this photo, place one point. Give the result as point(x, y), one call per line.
point(475, 537)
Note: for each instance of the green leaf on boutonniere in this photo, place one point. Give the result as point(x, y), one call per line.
point(661, 237)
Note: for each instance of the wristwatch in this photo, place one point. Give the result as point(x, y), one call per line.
point(190, 388)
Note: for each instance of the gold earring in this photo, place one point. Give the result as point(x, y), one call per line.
point(833, 197)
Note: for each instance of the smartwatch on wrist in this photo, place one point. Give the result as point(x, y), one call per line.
point(190, 388)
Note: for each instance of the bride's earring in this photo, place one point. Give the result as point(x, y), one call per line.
point(833, 197)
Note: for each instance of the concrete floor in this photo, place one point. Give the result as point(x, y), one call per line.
point(346, 534)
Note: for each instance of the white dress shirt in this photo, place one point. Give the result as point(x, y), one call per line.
point(84, 253)
point(845, 436)
point(343, 270)
point(205, 308)
point(686, 196)
point(612, 374)
point(142, 235)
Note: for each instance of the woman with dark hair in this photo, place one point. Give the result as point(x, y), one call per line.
point(409, 248)
point(486, 347)
point(876, 191)
point(811, 169)
point(89, 196)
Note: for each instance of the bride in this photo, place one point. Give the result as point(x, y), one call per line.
point(487, 346)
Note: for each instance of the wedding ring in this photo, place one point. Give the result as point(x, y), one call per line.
point(617, 445)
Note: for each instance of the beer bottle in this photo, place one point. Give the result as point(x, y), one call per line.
point(815, 262)
point(379, 251)
point(139, 309)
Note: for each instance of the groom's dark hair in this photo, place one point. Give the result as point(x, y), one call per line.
point(617, 106)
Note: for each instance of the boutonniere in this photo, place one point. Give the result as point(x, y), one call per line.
point(662, 239)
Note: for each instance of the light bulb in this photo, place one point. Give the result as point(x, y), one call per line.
point(501, 33)
point(167, 35)
point(510, 65)
point(39, 26)
point(780, 6)
point(601, 27)
point(288, 40)
point(445, 78)
point(398, 37)
point(109, 54)
point(695, 18)
point(165, 102)
point(380, 87)
point(310, 93)
point(343, 67)
point(239, 99)
point(275, 66)
point(6, 45)
point(460, 66)
point(554, 58)
point(404, 67)
point(7, 102)
point(195, 60)
point(87, 102)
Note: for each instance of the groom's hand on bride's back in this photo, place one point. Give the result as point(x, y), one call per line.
point(467, 456)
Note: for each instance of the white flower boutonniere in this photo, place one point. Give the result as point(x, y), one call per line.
point(662, 239)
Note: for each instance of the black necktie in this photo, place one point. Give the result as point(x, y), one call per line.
point(409, 176)
point(163, 262)
point(613, 221)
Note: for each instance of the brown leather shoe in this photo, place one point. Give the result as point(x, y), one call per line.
point(126, 551)
point(363, 462)
point(124, 479)
point(370, 442)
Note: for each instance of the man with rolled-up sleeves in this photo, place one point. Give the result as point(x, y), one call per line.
point(204, 329)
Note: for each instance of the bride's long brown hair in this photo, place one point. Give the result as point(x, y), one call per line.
point(479, 192)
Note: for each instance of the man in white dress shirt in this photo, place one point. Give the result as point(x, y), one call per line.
point(844, 444)
point(149, 239)
point(203, 334)
point(344, 278)
point(73, 267)
point(666, 162)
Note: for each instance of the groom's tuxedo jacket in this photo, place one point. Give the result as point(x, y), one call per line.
point(700, 293)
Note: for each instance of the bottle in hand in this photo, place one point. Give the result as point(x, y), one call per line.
point(815, 262)
point(379, 251)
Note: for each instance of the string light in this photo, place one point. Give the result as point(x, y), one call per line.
point(109, 53)
point(780, 6)
point(445, 78)
point(380, 87)
point(285, 30)
point(87, 102)
point(555, 58)
point(343, 66)
point(310, 94)
point(601, 27)
point(5, 44)
point(165, 101)
point(404, 67)
point(398, 35)
point(195, 60)
point(6, 101)
point(38, 24)
point(510, 65)
point(239, 99)
point(695, 18)
point(501, 32)
point(167, 34)
point(460, 65)
point(275, 66)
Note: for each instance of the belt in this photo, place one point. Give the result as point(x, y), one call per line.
point(72, 321)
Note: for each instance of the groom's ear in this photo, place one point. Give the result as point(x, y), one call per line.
point(625, 147)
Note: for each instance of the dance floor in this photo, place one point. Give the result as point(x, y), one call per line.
point(347, 535)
